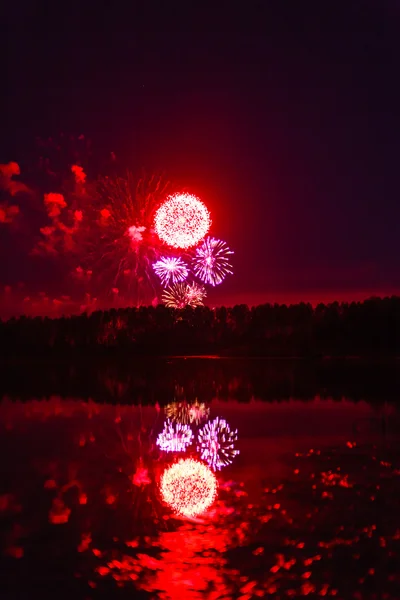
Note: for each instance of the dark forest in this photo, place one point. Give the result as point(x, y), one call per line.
point(369, 328)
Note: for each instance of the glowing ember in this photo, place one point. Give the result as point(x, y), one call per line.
point(182, 221)
point(180, 295)
point(188, 487)
point(211, 262)
point(170, 270)
point(216, 443)
point(175, 437)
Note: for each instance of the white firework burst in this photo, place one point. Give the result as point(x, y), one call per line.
point(175, 437)
point(170, 270)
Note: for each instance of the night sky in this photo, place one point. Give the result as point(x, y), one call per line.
point(282, 116)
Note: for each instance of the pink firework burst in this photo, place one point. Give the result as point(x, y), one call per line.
point(180, 295)
point(216, 443)
point(211, 261)
point(182, 221)
point(175, 437)
point(188, 487)
point(170, 270)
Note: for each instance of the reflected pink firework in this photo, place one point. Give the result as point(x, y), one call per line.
point(211, 261)
point(216, 443)
point(175, 437)
point(180, 295)
point(189, 487)
point(182, 221)
point(170, 270)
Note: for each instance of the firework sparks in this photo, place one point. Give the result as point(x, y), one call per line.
point(188, 487)
point(182, 221)
point(198, 412)
point(216, 443)
point(180, 295)
point(170, 270)
point(183, 412)
point(211, 261)
point(119, 243)
point(175, 437)
point(178, 412)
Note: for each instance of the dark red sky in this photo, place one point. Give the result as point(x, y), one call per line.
point(283, 116)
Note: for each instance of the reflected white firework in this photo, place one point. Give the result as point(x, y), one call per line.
point(211, 261)
point(175, 437)
point(170, 270)
point(216, 443)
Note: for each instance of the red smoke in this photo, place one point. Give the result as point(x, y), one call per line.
point(79, 173)
point(7, 172)
point(54, 203)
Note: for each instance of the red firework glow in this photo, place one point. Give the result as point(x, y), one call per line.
point(188, 487)
point(182, 221)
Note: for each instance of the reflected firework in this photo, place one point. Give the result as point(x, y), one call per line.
point(182, 221)
point(216, 443)
point(178, 411)
point(170, 270)
point(183, 412)
point(198, 412)
point(175, 437)
point(211, 261)
point(180, 295)
point(188, 487)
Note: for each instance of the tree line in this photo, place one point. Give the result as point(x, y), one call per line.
point(337, 329)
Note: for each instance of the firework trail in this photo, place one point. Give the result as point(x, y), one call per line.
point(170, 270)
point(119, 244)
point(216, 443)
point(211, 261)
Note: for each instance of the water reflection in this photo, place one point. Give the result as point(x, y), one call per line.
point(309, 508)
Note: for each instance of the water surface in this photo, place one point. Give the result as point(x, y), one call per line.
point(309, 507)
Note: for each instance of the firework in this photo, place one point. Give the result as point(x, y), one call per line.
point(216, 443)
point(195, 294)
point(178, 412)
point(175, 437)
point(198, 411)
point(180, 295)
point(188, 487)
point(211, 261)
point(182, 221)
point(118, 241)
point(182, 412)
point(170, 270)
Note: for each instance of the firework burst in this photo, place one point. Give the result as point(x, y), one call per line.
point(198, 412)
point(216, 443)
point(170, 270)
point(183, 412)
point(182, 221)
point(188, 487)
point(178, 412)
point(211, 261)
point(180, 295)
point(119, 244)
point(175, 437)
